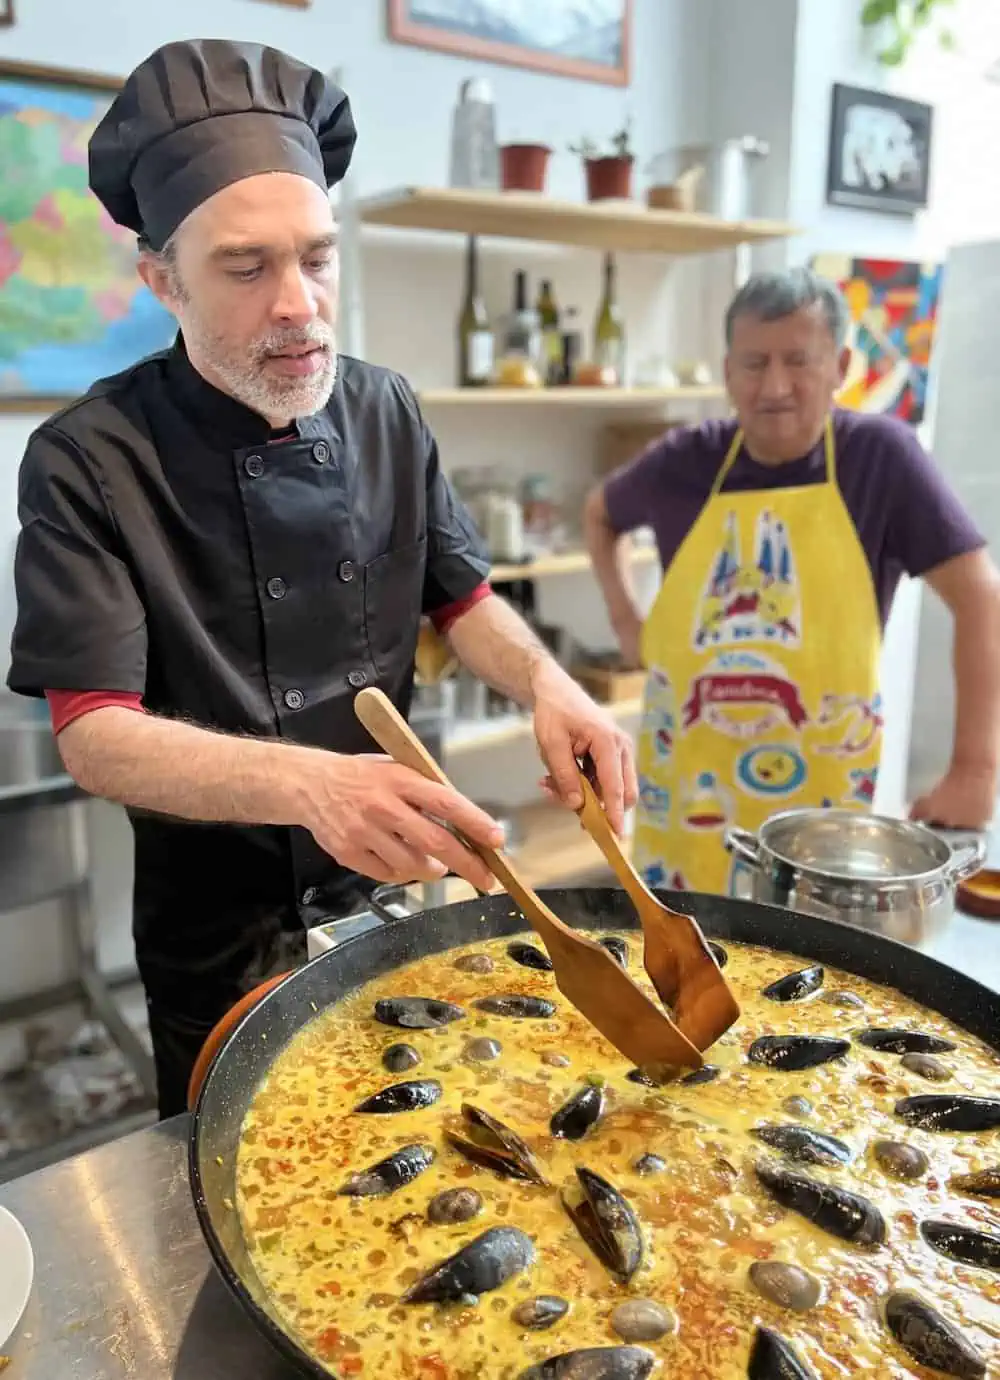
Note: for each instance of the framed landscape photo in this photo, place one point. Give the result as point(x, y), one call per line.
point(72, 307)
point(591, 41)
point(880, 151)
point(6, 12)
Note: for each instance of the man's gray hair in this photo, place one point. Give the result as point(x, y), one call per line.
point(770, 296)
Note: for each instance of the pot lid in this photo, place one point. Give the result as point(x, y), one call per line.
point(854, 846)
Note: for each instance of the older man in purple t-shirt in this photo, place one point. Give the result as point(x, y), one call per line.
point(786, 358)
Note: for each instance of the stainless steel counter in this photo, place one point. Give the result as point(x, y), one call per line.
point(124, 1286)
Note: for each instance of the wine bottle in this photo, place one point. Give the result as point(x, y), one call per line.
point(475, 339)
point(609, 329)
point(548, 320)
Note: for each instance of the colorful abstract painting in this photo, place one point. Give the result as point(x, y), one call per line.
point(72, 308)
point(894, 309)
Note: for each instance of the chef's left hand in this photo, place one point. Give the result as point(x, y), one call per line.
point(570, 726)
point(964, 798)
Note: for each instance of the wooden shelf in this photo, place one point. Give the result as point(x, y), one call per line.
point(570, 396)
point(566, 563)
point(626, 226)
point(476, 735)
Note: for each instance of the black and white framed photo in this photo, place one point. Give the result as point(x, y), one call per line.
point(880, 151)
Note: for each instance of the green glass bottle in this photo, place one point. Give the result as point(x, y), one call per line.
point(609, 328)
point(475, 338)
point(548, 320)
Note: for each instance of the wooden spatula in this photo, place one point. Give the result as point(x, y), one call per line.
point(675, 952)
point(585, 972)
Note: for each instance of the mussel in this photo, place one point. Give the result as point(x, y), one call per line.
point(482, 1264)
point(594, 1363)
point(403, 1097)
point(397, 1169)
point(608, 1224)
point(964, 1244)
point(949, 1112)
point(579, 1115)
point(772, 1358)
point(486, 1141)
point(892, 1040)
point(984, 1184)
point(615, 946)
point(416, 1013)
point(399, 1058)
point(641, 1077)
point(795, 986)
point(529, 956)
point(834, 1209)
point(718, 953)
point(518, 1005)
point(804, 1144)
point(703, 1075)
point(793, 1052)
point(931, 1339)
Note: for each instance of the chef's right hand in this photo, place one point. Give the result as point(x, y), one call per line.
point(372, 816)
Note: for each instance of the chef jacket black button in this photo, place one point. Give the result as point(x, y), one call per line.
point(321, 452)
point(254, 466)
point(357, 679)
point(294, 699)
point(346, 571)
point(277, 588)
point(309, 895)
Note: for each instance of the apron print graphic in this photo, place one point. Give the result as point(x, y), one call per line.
point(772, 770)
point(704, 805)
point(851, 724)
point(756, 602)
point(659, 724)
point(743, 695)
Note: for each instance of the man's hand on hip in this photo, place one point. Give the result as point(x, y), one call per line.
point(569, 726)
point(964, 798)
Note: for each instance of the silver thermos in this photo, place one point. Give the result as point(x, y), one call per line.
point(474, 156)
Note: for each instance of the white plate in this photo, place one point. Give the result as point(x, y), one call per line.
point(17, 1268)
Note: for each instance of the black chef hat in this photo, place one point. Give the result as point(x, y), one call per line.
point(199, 115)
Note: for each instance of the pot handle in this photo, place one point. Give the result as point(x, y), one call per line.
point(221, 1031)
point(967, 859)
point(744, 844)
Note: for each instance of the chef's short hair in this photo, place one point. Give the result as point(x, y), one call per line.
point(770, 296)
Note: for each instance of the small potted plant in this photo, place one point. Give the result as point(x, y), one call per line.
point(523, 167)
point(609, 175)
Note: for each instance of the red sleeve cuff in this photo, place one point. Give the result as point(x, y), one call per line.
point(444, 617)
point(67, 705)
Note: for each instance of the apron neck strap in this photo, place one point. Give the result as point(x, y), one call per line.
point(829, 452)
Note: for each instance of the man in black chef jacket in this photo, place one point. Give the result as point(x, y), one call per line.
point(220, 546)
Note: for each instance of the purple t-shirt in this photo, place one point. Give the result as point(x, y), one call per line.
point(906, 515)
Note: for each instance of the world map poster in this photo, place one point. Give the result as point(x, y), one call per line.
point(72, 308)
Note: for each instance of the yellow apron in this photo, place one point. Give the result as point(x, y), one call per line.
point(762, 648)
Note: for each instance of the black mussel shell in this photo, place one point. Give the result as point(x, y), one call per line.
point(416, 1013)
point(718, 953)
point(638, 1076)
point(490, 1143)
point(835, 1210)
point(594, 1363)
point(964, 1244)
point(930, 1339)
point(399, 1058)
point(705, 1074)
point(539, 1313)
point(772, 1358)
point(616, 946)
point(517, 1005)
point(529, 956)
point(984, 1184)
point(403, 1097)
point(804, 1144)
point(481, 1265)
point(795, 986)
point(607, 1222)
point(891, 1040)
point(650, 1164)
point(397, 1169)
point(579, 1115)
point(794, 1052)
point(949, 1112)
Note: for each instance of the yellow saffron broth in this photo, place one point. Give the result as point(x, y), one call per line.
point(336, 1266)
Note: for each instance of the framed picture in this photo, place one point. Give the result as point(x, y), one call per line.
point(591, 41)
point(72, 307)
point(894, 306)
point(6, 12)
point(880, 151)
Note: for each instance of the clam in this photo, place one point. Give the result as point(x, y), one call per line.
point(773, 1358)
point(797, 1106)
point(649, 1164)
point(893, 1040)
point(606, 1221)
point(484, 1263)
point(926, 1066)
point(836, 1210)
point(793, 1052)
point(964, 1244)
point(795, 986)
point(416, 1013)
point(482, 1049)
point(529, 956)
point(518, 1006)
point(399, 1058)
point(847, 1001)
point(486, 1141)
point(403, 1097)
point(594, 1363)
point(789, 1286)
point(804, 1144)
point(541, 1312)
point(642, 1320)
point(397, 1169)
point(454, 1205)
point(904, 1161)
point(579, 1115)
point(949, 1112)
point(475, 963)
point(930, 1338)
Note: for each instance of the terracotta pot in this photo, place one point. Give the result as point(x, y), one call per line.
point(608, 177)
point(220, 1033)
point(523, 167)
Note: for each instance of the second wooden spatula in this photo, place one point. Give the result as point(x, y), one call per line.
point(585, 972)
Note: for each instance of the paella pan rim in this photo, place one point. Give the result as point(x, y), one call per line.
point(244, 1057)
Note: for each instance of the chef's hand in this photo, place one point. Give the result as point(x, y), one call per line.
point(964, 798)
point(372, 815)
point(570, 726)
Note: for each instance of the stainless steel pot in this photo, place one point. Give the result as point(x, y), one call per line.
point(890, 876)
